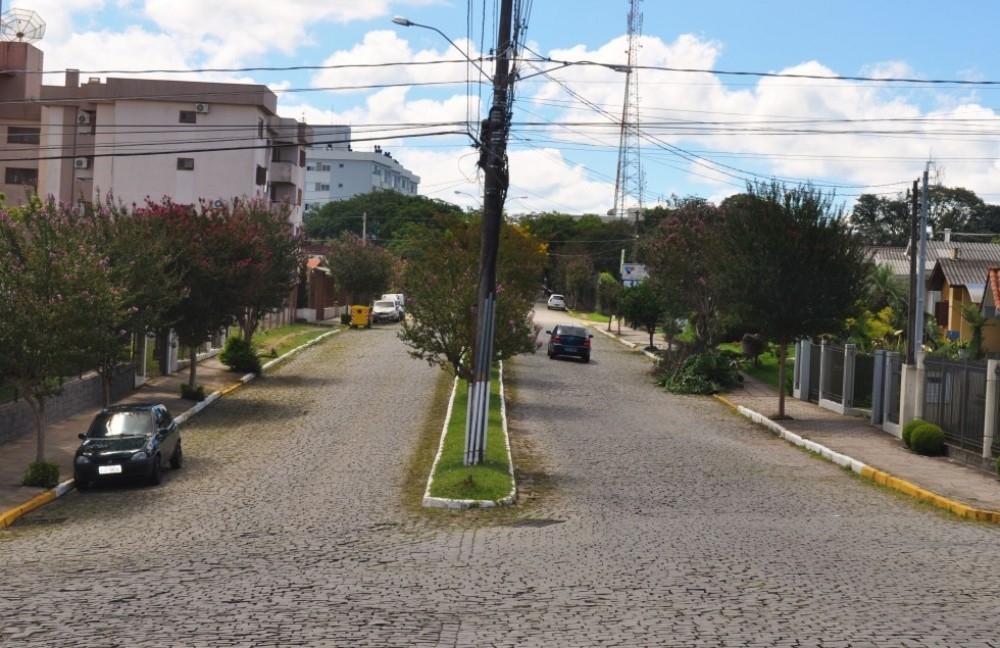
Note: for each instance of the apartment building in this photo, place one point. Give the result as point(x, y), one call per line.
point(335, 171)
point(145, 138)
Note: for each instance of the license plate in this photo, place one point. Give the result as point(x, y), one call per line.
point(109, 470)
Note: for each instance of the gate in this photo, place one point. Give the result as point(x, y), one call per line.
point(955, 400)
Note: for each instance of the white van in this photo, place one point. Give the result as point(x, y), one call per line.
point(398, 298)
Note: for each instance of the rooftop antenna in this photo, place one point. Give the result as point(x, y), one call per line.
point(21, 25)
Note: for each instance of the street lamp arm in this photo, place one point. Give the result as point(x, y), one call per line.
point(406, 22)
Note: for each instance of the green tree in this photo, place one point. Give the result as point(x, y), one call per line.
point(642, 307)
point(882, 221)
point(608, 294)
point(380, 214)
point(681, 256)
point(361, 268)
point(56, 302)
point(792, 267)
point(440, 284)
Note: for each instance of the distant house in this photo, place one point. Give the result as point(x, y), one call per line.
point(990, 308)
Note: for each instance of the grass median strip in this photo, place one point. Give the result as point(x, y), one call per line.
point(489, 481)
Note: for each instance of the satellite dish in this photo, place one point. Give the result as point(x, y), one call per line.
point(21, 25)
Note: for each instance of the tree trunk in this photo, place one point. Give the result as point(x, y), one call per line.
point(193, 368)
point(38, 409)
point(782, 368)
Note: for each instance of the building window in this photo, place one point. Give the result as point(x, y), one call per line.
point(319, 186)
point(324, 167)
point(341, 165)
point(261, 175)
point(185, 164)
point(21, 176)
point(340, 185)
point(19, 135)
point(302, 158)
point(260, 128)
point(188, 117)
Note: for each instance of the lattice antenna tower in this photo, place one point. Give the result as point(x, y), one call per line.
point(629, 179)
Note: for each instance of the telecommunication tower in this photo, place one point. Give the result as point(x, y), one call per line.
point(628, 179)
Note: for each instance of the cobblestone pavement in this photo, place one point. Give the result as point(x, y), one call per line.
point(645, 520)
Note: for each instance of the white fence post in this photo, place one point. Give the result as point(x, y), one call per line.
point(879, 388)
point(989, 420)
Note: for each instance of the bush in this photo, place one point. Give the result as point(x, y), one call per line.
point(927, 439)
point(998, 466)
point(345, 319)
point(239, 355)
point(192, 393)
point(704, 373)
point(44, 474)
point(908, 431)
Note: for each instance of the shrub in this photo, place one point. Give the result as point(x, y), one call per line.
point(44, 474)
point(239, 355)
point(927, 439)
point(704, 373)
point(908, 431)
point(998, 466)
point(345, 319)
point(192, 393)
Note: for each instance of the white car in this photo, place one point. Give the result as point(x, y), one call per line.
point(557, 302)
point(398, 298)
point(386, 310)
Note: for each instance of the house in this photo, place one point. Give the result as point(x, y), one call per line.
point(959, 280)
point(140, 138)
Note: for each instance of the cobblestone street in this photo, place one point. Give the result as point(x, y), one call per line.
point(645, 519)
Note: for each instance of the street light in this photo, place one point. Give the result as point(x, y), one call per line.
point(406, 22)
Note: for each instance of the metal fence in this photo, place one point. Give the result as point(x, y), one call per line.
point(864, 381)
point(955, 400)
point(894, 374)
point(833, 378)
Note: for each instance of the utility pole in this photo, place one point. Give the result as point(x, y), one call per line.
point(911, 321)
point(921, 265)
point(493, 160)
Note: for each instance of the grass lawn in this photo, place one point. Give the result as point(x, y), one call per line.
point(490, 480)
point(767, 369)
point(276, 342)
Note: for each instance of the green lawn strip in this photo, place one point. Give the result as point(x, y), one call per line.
point(276, 342)
point(490, 480)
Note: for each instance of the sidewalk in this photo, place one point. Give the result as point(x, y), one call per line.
point(854, 443)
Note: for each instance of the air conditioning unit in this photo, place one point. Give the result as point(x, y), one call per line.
point(83, 119)
point(81, 163)
point(201, 108)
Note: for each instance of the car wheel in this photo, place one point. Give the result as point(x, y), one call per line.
point(586, 358)
point(177, 460)
point(81, 484)
point(156, 474)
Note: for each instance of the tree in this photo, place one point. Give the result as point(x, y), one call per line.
point(267, 259)
point(641, 306)
point(792, 267)
point(882, 221)
point(440, 284)
point(608, 293)
point(380, 214)
point(363, 269)
point(55, 293)
point(681, 256)
point(204, 256)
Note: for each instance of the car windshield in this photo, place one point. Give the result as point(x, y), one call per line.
point(572, 330)
point(122, 424)
point(385, 304)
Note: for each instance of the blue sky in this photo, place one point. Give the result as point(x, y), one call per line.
point(701, 133)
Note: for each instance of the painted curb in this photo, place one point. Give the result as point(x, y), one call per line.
point(866, 471)
point(443, 502)
point(9, 517)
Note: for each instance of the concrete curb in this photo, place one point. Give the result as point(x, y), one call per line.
point(443, 502)
point(9, 517)
point(866, 471)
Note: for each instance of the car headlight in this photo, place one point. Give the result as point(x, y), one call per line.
point(142, 455)
point(81, 459)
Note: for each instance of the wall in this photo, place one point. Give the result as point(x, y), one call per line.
point(17, 419)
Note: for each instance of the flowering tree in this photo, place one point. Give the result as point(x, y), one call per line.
point(57, 302)
point(363, 269)
point(441, 289)
point(266, 258)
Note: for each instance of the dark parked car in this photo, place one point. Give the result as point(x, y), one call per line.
point(569, 340)
point(128, 441)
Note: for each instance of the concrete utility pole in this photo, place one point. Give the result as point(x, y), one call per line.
point(911, 326)
point(921, 265)
point(493, 160)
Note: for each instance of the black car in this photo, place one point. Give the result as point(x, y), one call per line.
point(569, 340)
point(128, 441)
